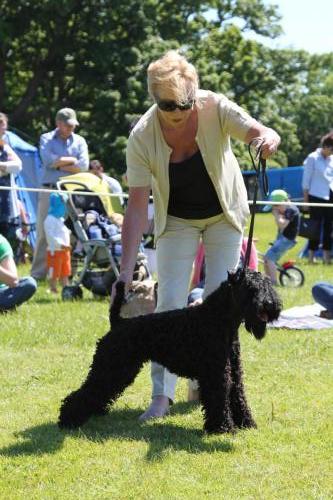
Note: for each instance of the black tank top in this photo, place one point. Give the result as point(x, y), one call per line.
point(4, 194)
point(192, 193)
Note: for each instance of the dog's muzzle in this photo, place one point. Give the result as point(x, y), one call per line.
point(256, 323)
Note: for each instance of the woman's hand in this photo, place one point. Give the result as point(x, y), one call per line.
point(270, 143)
point(8, 272)
point(263, 138)
point(134, 223)
point(126, 278)
point(196, 302)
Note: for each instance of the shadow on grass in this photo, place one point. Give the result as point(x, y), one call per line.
point(161, 435)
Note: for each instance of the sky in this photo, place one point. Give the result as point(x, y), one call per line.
point(307, 24)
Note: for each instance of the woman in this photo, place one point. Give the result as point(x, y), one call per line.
point(13, 290)
point(181, 149)
point(10, 165)
point(317, 188)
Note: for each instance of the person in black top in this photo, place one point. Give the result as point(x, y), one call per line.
point(287, 218)
point(181, 150)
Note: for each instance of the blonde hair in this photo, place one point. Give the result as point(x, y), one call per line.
point(173, 72)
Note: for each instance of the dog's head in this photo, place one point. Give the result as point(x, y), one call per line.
point(255, 299)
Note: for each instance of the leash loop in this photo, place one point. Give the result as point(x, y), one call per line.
point(260, 171)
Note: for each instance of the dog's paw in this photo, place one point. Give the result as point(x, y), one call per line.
point(244, 420)
point(76, 410)
point(246, 424)
point(70, 425)
point(221, 429)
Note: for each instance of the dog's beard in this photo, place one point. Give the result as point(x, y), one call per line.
point(257, 328)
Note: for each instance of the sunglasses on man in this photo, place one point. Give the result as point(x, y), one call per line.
point(169, 106)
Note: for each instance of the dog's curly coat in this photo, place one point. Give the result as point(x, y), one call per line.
point(199, 343)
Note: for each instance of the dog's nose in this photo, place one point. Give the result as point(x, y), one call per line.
point(263, 316)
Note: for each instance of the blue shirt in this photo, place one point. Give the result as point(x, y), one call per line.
point(53, 147)
point(318, 175)
point(292, 215)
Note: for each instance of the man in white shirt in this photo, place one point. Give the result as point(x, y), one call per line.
point(317, 186)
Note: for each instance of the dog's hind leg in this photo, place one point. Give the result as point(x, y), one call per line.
point(112, 370)
point(214, 397)
point(240, 410)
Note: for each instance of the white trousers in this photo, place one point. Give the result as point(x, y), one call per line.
point(176, 250)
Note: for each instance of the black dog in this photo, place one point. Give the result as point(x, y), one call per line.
point(199, 343)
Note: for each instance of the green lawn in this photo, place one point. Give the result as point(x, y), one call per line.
point(46, 349)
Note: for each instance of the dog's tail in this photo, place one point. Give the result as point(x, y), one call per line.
point(117, 303)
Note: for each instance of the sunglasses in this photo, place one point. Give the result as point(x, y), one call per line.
point(173, 105)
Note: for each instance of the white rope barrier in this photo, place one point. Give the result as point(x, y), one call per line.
point(125, 195)
point(43, 190)
point(287, 203)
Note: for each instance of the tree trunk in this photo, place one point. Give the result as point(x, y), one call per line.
point(29, 94)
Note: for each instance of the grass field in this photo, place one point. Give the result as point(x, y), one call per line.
point(46, 348)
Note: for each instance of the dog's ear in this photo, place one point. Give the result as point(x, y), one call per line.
point(235, 277)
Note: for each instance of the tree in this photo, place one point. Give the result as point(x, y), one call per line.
point(92, 55)
point(314, 110)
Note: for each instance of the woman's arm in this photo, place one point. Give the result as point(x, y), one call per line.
point(306, 195)
point(267, 138)
point(13, 165)
point(8, 272)
point(281, 221)
point(135, 221)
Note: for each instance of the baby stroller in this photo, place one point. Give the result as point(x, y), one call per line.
point(100, 259)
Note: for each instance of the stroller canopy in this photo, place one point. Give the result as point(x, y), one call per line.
point(86, 181)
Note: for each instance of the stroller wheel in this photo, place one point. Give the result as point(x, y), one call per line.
point(71, 293)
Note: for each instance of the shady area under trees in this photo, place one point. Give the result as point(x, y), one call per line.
point(92, 55)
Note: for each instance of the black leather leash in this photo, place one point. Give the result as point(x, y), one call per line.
point(260, 171)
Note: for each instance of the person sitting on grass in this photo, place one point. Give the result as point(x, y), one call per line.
point(13, 290)
point(322, 293)
point(287, 218)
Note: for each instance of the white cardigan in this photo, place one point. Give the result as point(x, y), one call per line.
point(148, 156)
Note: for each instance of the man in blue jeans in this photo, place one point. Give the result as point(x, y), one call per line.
point(13, 290)
point(287, 219)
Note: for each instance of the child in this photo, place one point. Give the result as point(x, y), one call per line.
point(58, 243)
point(287, 219)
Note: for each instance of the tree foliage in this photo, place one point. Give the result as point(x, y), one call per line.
point(92, 55)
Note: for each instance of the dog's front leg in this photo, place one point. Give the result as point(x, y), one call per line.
point(240, 410)
point(214, 396)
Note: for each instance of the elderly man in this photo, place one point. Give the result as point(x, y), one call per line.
point(63, 153)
